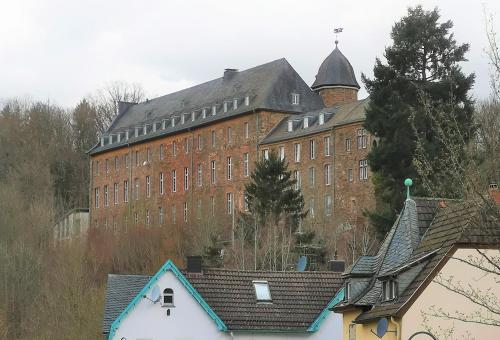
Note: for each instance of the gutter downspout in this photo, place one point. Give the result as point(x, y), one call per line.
point(398, 328)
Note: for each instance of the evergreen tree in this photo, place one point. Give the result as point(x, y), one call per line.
point(422, 69)
point(276, 204)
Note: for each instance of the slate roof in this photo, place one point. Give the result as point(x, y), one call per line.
point(335, 70)
point(268, 86)
point(297, 297)
point(340, 115)
point(451, 225)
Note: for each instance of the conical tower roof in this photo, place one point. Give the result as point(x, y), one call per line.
point(335, 70)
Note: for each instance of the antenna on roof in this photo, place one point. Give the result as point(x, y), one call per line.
point(337, 31)
point(408, 184)
point(154, 296)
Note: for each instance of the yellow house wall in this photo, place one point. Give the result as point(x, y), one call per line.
point(417, 317)
point(363, 331)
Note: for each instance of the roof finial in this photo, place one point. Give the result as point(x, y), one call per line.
point(337, 31)
point(408, 184)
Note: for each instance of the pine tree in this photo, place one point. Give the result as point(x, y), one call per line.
point(422, 67)
point(276, 204)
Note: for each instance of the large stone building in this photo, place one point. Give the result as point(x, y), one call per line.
point(181, 160)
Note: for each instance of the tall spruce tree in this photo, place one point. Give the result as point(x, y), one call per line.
point(422, 67)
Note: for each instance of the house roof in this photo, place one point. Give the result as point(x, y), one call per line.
point(336, 116)
point(298, 298)
point(335, 70)
point(268, 87)
point(451, 226)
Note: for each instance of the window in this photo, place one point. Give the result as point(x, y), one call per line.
point(136, 191)
point(168, 297)
point(296, 176)
point(290, 126)
point(174, 214)
point(162, 152)
point(97, 168)
point(148, 186)
point(321, 119)
point(282, 152)
point(262, 292)
point(235, 104)
point(200, 175)
point(297, 152)
point(328, 174)
point(214, 110)
point(312, 176)
point(204, 113)
point(212, 172)
point(186, 145)
point(247, 100)
point(127, 160)
point(229, 135)
point(225, 106)
point(347, 295)
point(186, 179)
point(117, 163)
point(363, 169)
point(174, 181)
point(312, 149)
point(161, 184)
point(160, 216)
point(96, 197)
point(311, 207)
point(327, 144)
point(200, 142)
point(348, 144)
point(116, 193)
point(137, 158)
point(362, 138)
point(106, 165)
point(229, 198)
point(265, 154)
point(125, 191)
point(148, 155)
point(148, 220)
point(174, 148)
point(295, 99)
point(185, 211)
point(212, 205)
point(229, 169)
point(349, 175)
point(328, 205)
point(246, 130)
point(212, 138)
point(245, 164)
point(389, 290)
point(106, 196)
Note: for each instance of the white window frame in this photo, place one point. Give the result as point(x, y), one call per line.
point(245, 165)
point(328, 205)
point(312, 149)
point(312, 176)
point(174, 181)
point(246, 130)
point(229, 199)
point(213, 170)
point(328, 174)
point(136, 188)
point(229, 168)
point(186, 178)
point(296, 175)
point(125, 191)
point(148, 186)
point(282, 152)
point(200, 175)
point(327, 141)
point(96, 197)
point(295, 99)
point(296, 147)
point(106, 196)
point(116, 193)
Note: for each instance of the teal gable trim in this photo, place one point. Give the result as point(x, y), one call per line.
point(168, 266)
point(322, 316)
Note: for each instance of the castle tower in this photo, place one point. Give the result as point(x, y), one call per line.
point(336, 82)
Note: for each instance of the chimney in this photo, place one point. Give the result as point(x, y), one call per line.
point(229, 73)
point(337, 266)
point(194, 264)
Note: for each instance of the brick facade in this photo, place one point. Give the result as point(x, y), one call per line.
point(333, 96)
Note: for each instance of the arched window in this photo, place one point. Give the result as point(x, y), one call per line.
point(168, 297)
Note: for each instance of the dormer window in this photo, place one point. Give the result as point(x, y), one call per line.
point(247, 100)
point(204, 113)
point(182, 119)
point(145, 130)
point(347, 292)
point(168, 298)
point(235, 104)
point(306, 122)
point(389, 290)
point(262, 292)
point(173, 121)
point(164, 124)
point(321, 119)
point(295, 99)
point(193, 116)
point(290, 125)
point(214, 110)
point(225, 107)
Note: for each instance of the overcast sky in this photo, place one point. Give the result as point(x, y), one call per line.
point(64, 50)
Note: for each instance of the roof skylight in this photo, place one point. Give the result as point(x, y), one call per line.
point(262, 292)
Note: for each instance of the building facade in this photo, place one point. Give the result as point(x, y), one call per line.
point(182, 160)
point(72, 226)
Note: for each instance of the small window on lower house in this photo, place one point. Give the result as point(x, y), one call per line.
point(389, 290)
point(262, 292)
point(168, 297)
point(347, 292)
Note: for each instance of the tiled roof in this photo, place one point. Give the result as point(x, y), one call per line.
point(335, 70)
point(297, 297)
point(268, 86)
point(336, 116)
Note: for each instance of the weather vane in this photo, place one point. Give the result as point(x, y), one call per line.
point(337, 31)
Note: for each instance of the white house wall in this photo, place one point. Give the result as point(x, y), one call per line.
point(188, 320)
point(417, 318)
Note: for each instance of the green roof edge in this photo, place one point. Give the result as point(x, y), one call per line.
point(168, 266)
point(322, 316)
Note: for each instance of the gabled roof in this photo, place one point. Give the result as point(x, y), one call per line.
point(300, 300)
point(268, 86)
point(335, 70)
